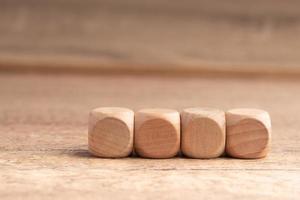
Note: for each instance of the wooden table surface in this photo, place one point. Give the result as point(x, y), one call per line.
point(43, 139)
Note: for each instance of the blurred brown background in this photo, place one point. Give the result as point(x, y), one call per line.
point(142, 36)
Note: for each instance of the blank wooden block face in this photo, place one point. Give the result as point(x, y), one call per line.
point(111, 132)
point(248, 133)
point(157, 133)
point(203, 132)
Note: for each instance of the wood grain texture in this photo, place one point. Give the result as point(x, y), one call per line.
point(203, 132)
point(139, 36)
point(157, 133)
point(110, 133)
point(44, 152)
point(248, 133)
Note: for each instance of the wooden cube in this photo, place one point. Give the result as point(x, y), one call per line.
point(248, 133)
point(157, 133)
point(110, 132)
point(203, 132)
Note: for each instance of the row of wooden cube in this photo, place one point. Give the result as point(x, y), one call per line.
point(162, 133)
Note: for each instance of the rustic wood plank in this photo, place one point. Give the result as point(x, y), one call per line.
point(43, 139)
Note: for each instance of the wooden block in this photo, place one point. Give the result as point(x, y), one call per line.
point(157, 133)
point(111, 132)
point(248, 133)
point(203, 132)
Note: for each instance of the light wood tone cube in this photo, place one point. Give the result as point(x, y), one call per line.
point(203, 132)
point(248, 133)
point(111, 132)
point(157, 133)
